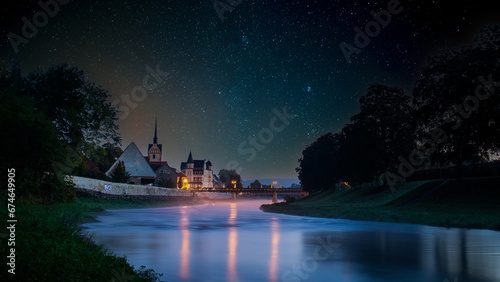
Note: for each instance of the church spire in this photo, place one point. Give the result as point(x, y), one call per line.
point(155, 139)
point(190, 158)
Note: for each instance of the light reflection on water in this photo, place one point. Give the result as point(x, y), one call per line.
point(232, 244)
point(238, 242)
point(185, 251)
point(275, 242)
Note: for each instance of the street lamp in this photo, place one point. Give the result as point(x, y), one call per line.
point(234, 183)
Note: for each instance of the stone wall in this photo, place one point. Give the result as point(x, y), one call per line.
point(112, 188)
point(213, 195)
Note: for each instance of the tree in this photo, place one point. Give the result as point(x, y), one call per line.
point(30, 142)
point(227, 176)
point(380, 132)
point(256, 184)
point(120, 173)
point(79, 109)
point(319, 166)
point(455, 95)
point(45, 116)
point(104, 156)
point(366, 147)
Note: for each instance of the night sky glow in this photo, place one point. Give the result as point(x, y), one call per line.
point(217, 85)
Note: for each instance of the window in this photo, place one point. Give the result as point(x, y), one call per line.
point(154, 156)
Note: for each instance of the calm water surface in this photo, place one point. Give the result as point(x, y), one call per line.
point(238, 242)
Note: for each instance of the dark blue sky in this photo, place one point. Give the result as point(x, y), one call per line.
point(215, 86)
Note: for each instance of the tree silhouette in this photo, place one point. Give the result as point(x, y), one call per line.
point(319, 166)
point(228, 175)
point(377, 135)
point(457, 94)
point(79, 109)
point(120, 173)
point(256, 184)
point(49, 117)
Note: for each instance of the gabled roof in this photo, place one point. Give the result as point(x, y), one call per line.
point(197, 164)
point(156, 166)
point(134, 162)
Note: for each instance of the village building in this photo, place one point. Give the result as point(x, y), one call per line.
point(152, 169)
point(135, 164)
point(198, 172)
point(166, 176)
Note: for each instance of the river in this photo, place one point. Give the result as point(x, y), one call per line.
point(235, 241)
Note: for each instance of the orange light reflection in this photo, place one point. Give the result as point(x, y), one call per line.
point(232, 245)
point(185, 250)
point(275, 241)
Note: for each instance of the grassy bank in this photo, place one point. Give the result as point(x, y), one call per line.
point(49, 246)
point(469, 203)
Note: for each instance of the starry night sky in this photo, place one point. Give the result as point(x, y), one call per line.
point(226, 77)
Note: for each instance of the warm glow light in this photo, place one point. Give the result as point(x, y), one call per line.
point(185, 250)
point(232, 245)
point(232, 215)
point(275, 241)
point(185, 184)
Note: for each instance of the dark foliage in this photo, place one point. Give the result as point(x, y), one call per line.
point(456, 94)
point(120, 173)
point(229, 175)
point(48, 117)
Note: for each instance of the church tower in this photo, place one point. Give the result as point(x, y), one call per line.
point(155, 149)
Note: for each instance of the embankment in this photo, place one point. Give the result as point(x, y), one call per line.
point(468, 203)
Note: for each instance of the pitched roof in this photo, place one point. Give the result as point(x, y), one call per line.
point(134, 162)
point(155, 166)
point(197, 164)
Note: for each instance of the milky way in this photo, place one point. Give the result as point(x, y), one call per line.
point(219, 81)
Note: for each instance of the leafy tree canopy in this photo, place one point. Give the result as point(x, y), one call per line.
point(49, 118)
point(227, 176)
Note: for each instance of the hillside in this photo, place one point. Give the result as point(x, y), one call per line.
point(470, 203)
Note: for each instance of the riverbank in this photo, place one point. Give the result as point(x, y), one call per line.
point(50, 245)
point(469, 203)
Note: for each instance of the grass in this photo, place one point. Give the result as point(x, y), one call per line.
point(50, 247)
point(98, 205)
point(469, 203)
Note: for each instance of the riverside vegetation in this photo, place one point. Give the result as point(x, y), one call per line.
point(467, 203)
point(50, 246)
